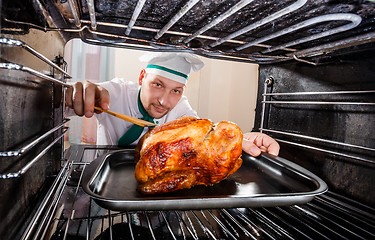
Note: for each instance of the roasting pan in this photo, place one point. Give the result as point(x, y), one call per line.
point(262, 181)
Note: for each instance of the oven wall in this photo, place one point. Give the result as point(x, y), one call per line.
point(29, 108)
point(351, 124)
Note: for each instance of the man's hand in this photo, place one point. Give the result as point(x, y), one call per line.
point(254, 143)
point(82, 97)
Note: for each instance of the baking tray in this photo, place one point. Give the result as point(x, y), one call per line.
point(262, 181)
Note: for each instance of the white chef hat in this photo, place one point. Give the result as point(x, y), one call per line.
point(173, 65)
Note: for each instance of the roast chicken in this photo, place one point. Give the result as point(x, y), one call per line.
point(187, 152)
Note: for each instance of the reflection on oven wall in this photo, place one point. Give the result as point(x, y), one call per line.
point(30, 108)
point(222, 90)
point(323, 118)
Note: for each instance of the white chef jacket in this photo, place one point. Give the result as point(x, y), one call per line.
point(124, 99)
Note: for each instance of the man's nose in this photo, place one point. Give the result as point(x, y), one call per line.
point(163, 98)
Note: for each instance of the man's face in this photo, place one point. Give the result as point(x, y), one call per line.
point(159, 95)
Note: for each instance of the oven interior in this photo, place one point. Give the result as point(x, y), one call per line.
point(254, 31)
point(316, 96)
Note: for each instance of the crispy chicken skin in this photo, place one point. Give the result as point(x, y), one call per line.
point(187, 152)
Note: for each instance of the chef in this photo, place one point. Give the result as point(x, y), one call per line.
point(157, 97)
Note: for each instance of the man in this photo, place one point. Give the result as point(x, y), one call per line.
point(158, 98)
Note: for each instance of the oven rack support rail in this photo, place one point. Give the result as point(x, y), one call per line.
point(264, 102)
point(18, 67)
point(263, 57)
point(8, 42)
point(17, 43)
point(23, 150)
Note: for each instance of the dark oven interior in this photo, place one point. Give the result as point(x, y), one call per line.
point(316, 96)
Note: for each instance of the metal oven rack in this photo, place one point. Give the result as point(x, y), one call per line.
point(268, 100)
point(17, 43)
point(7, 42)
point(69, 213)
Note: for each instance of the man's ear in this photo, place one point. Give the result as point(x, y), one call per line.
point(141, 76)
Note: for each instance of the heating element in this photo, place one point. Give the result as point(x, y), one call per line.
point(245, 30)
point(69, 213)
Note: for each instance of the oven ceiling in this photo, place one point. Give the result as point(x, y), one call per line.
point(261, 31)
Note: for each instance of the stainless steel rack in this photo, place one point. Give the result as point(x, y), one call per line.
point(18, 67)
point(17, 43)
point(8, 42)
point(74, 215)
point(48, 205)
point(269, 81)
point(26, 148)
point(24, 169)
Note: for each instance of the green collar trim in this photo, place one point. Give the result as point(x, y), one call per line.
point(143, 111)
point(135, 131)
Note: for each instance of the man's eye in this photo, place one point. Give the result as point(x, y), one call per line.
point(157, 84)
point(177, 91)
